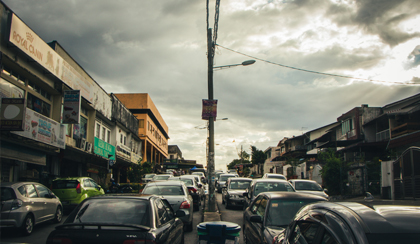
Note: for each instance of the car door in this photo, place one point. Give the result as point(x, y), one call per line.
point(254, 230)
point(97, 188)
point(167, 231)
point(50, 202)
point(36, 204)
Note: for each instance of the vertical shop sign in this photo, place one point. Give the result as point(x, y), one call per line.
point(12, 114)
point(71, 107)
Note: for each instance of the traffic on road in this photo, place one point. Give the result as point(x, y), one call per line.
point(265, 210)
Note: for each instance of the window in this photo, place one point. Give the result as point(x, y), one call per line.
point(98, 130)
point(9, 90)
point(108, 136)
point(254, 206)
point(346, 126)
point(262, 207)
point(125, 140)
point(103, 134)
point(38, 105)
point(141, 123)
point(163, 214)
point(121, 138)
point(43, 191)
point(86, 183)
point(305, 232)
point(31, 191)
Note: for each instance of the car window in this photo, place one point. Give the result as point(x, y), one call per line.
point(164, 190)
point(254, 206)
point(64, 184)
point(328, 238)
point(86, 183)
point(308, 186)
point(169, 212)
point(31, 191)
point(22, 191)
point(163, 216)
point(240, 185)
point(43, 191)
point(93, 183)
point(8, 193)
point(304, 232)
point(262, 207)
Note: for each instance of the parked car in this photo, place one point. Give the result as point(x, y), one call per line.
point(217, 175)
point(201, 188)
point(202, 176)
point(271, 212)
point(350, 222)
point(194, 188)
point(275, 176)
point(258, 186)
point(73, 190)
point(177, 194)
point(161, 177)
point(121, 218)
point(25, 204)
point(308, 186)
point(233, 192)
point(222, 181)
point(148, 177)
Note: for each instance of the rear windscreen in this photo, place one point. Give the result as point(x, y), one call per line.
point(64, 184)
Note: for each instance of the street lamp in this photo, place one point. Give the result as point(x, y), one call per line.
point(244, 63)
point(210, 163)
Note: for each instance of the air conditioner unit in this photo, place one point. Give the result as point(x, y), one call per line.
point(89, 147)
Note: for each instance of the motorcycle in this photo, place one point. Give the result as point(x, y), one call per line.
point(117, 188)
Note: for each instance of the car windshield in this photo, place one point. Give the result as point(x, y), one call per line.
point(164, 190)
point(400, 238)
point(116, 211)
point(161, 177)
point(225, 177)
point(240, 185)
point(149, 176)
point(64, 184)
point(188, 182)
point(277, 176)
point(307, 186)
point(282, 211)
point(272, 186)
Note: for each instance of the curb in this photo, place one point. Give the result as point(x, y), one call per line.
point(210, 216)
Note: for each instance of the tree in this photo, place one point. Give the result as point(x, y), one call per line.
point(257, 157)
point(136, 172)
point(332, 171)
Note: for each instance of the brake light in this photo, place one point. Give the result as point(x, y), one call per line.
point(185, 205)
point(60, 240)
point(192, 190)
point(78, 190)
point(139, 242)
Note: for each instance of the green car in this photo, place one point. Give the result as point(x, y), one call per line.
point(73, 190)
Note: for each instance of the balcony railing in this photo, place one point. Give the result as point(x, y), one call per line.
point(405, 128)
point(383, 135)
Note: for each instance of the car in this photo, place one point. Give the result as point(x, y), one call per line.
point(148, 177)
point(26, 204)
point(217, 175)
point(260, 185)
point(194, 188)
point(121, 218)
point(202, 176)
point(352, 222)
point(222, 181)
point(271, 212)
point(232, 171)
point(308, 186)
point(276, 176)
point(201, 189)
point(233, 191)
point(161, 177)
point(73, 190)
point(177, 194)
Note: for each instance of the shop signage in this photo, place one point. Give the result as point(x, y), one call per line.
point(209, 109)
point(43, 129)
point(135, 158)
point(123, 152)
point(104, 149)
point(12, 114)
point(71, 107)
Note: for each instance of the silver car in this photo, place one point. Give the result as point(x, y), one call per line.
point(25, 204)
point(177, 194)
point(309, 186)
point(222, 181)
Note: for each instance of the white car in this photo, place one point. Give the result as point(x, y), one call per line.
point(147, 177)
point(273, 175)
point(308, 186)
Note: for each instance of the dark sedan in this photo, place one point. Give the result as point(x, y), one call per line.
point(121, 218)
point(233, 192)
point(271, 213)
point(350, 222)
point(258, 186)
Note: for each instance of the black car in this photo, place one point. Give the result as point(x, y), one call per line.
point(350, 222)
point(233, 192)
point(260, 185)
point(271, 213)
point(121, 218)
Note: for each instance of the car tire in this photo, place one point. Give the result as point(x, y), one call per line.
point(245, 241)
point(58, 215)
point(27, 225)
point(190, 227)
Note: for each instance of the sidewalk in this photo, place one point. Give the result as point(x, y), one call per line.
point(210, 216)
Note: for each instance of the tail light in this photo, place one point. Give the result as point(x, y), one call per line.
point(78, 190)
point(16, 204)
point(185, 205)
point(192, 190)
point(59, 240)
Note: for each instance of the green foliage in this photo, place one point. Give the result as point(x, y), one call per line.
point(137, 171)
point(332, 172)
point(257, 156)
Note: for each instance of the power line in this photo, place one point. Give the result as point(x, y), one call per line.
point(315, 72)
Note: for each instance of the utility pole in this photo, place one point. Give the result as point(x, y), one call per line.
point(210, 163)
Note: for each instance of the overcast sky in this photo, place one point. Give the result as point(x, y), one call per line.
point(159, 48)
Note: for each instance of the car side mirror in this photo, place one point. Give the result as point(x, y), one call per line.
point(179, 213)
point(256, 219)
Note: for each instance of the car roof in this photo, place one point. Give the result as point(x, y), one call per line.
point(17, 184)
point(240, 178)
point(292, 195)
point(302, 180)
point(73, 178)
point(165, 183)
point(269, 180)
point(228, 174)
point(376, 218)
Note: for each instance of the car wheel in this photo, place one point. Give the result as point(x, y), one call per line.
point(190, 227)
point(58, 215)
point(227, 204)
point(28, 225)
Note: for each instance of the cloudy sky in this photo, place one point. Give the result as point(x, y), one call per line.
point(159, 47)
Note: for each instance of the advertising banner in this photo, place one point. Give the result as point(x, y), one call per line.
point(12, 114)
point(71, 107)
point(209, 109)
point(104, 149)
point(43, 129)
